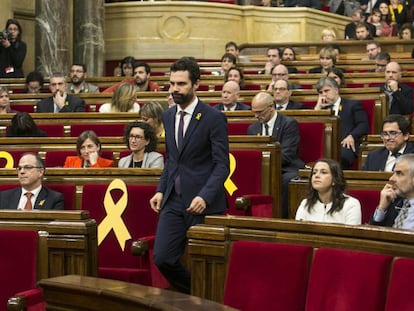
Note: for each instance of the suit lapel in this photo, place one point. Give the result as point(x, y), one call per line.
point(15, 198)
point(170, 128)
point(277, 125)
point(41, 199)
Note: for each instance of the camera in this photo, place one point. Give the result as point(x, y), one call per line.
point(5, 35)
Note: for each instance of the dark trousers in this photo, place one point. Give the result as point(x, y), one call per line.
point(347, 158)
point(170, 241)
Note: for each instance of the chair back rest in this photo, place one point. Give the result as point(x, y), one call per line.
point(312, 141)
point(369, 201)
point(18, 263)
point(400, 297)
point(267, 276)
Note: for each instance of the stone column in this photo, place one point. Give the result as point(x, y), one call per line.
point(88, 35)
point(53, 36)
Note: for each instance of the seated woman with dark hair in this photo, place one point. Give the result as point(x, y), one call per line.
point(141, 140)
point(326, 200)
point(23, 125)
point(338, 75)
point(88, 147)
point(235, 74)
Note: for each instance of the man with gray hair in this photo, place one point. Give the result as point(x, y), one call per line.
point(60, 101)
point(397, 197)
point(229, 98)
point(354, 120)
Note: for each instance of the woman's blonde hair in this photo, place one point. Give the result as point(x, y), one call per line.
point(328, 32)
point(122, 99)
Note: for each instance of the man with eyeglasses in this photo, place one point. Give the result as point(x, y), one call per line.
point(400, 96)
point(31, 194)
point(60, 101)
point(281, 72)
point(281, 94)
point(395, 135)
point(373, 48)
point(354, 120)
point(286, 131)
point(395, 207)
point(381, 61)
point(77, 77)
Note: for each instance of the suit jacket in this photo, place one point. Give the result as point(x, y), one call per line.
point(377, 159)
point(402, 100)
point(73, 104)
point(239, 106)
point(286, 132)
point(77, 162)
point(151, 160)
point(203, 161)
point(354, 119)
point(292, 105)
point(46, 200)
point(319, 69)
point(390, 216)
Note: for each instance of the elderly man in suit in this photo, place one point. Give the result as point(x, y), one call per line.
point(286, 131)
point(192, 183)
point(31, 194)
point(229, 98)
point(395, 208)
point(354, 120)
point(60, 101)
point(395, 134)
point(400, 96)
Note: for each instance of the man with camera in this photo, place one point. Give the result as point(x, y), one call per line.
point(12, 51)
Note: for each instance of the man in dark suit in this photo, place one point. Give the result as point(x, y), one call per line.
point(31, 194)
point(395, 208)
point(286, 131)
point(192, 183)
point(281, 95)
point(395, 134)
point(229, 97)
point(60, 101)
point(400, 96)
point(354, 120)
point(357, 18)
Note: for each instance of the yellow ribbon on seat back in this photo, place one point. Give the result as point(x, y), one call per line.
point(113, 219)
point(229, 184)
point(9, 159)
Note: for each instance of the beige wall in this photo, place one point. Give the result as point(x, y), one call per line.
point(200, 29)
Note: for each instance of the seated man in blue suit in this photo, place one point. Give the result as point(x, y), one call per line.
point(282, 90)
point(286, 131)
point(31, 194)
point(60, 101)
point(354, 120)
point(395, 134)
point(229, 98)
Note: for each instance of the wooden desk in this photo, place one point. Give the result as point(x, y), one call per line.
point(74, 292)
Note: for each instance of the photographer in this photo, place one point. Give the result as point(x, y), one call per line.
point(12, 50)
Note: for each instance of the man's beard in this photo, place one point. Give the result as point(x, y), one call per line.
point(183, 99)
point(140, 83)
point(78, 81)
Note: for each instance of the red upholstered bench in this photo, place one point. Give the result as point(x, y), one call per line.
point(400, 296)
point(130, 208)
point(18, 268)
point(53, 130)
point(16, 155)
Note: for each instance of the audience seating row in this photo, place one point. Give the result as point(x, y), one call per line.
point(303, 277)
point(209, 249)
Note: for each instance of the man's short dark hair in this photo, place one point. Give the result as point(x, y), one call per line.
point(231, 44)
point(142, 64)
point(383, 55)
point(187, 64)
point(279, 51)
point(39, 161)
point(80, 65)
point(403, 123)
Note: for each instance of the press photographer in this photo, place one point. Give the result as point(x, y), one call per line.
point(12, 50)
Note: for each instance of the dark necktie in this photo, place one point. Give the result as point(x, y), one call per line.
point(266, 129)
point(180, 134)
point(28, 205)
point(279, 107)
point(395, 155)
point(402, 215)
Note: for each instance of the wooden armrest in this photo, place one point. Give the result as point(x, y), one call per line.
point(139, 247)
point(25, 300)
point(243, 203)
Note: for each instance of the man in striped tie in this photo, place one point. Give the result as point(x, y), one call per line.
point(397, 197)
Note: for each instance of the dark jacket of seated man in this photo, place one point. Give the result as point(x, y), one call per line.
point(31, 194)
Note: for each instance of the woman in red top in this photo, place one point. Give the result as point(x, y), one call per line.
point(88, 147)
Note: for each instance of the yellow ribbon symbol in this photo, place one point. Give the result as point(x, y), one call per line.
point(114, 212)
point(8, 157)
point(229, 184)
